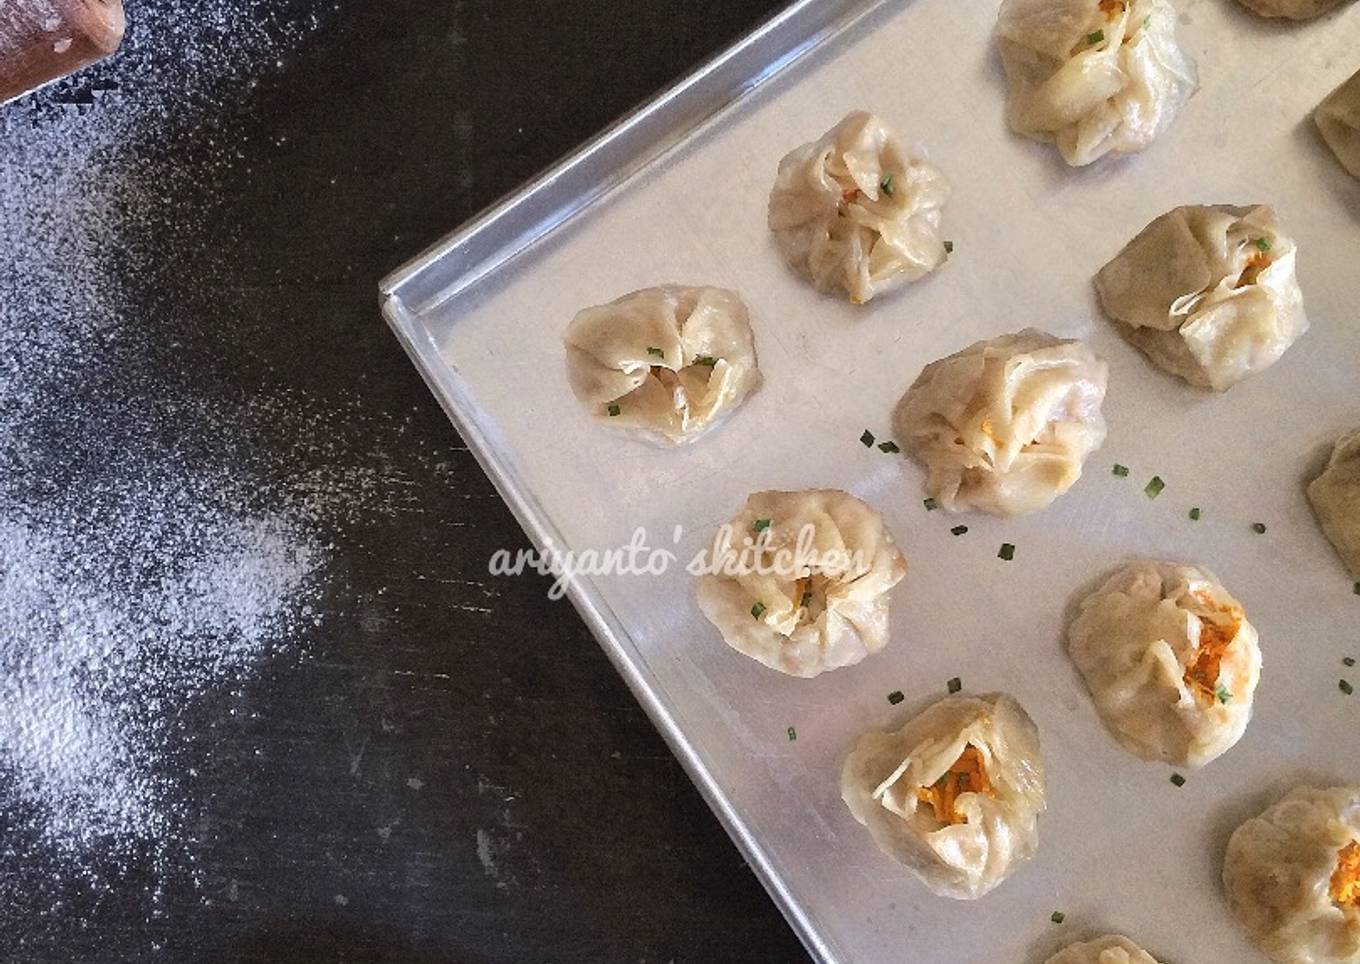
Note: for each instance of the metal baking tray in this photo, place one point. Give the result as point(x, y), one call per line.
point(677, 193)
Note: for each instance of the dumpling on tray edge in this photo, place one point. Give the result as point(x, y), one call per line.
point(667, 363)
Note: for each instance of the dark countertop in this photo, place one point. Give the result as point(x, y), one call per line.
point(448, 769)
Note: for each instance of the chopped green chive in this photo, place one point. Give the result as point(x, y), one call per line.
point(888, 447)
point(954, 685)
point(807, 599)
point(1057, 917)
point(949, 247)
point(657, 352)
point(1195, 514)
point(760, 525)
point(1223, 695)
point(959, 530)
point(1095, 38)
point(1146, 21)
point(1007, 552)
point(613, 409)
point(1154, 487)
point(895, 697)
point(1177, 780)
point(931, 505)
point(1259, 528)
point(867, 439)
point(887, 185)
point(1121, 470)
point(793, 734)
point(707, 360)
point(1348, 661)
point(1262, 244)
point(1347, 688)
point(757, 609)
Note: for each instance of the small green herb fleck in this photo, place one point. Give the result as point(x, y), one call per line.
point(1348, 661)
point(1259, 528)
point(959, 530)
point(1057, 917)
point(867, 439)
point(888, 447)
point(1262, 244)
point(895, 697)
point(949, 247)
point(931, 505)
point(1095, 38)
point(1007, 552)
point(707, 360)
point(793, 734)
point(807, 599)
point(613, 409)
point(1223, 695)
point(1121, 470)
point(1147, 21)
point(1154, 487)
point(757, 609)
point(760, 525)
point(887, 185)
point(657, 352)
point(1195, 514)
point(1177, 780)
point(1347, 688)
point(954, 685)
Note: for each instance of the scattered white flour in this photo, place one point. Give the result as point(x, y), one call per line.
point(150, 550)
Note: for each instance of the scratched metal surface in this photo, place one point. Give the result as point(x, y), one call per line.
point(1121, 847)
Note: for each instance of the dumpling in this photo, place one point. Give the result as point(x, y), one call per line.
point(955, 795)
point(857, 211)
point(800, 580)
point(1338, 118)
point(1290, 9)
point(1170, 659)
point(669, 363)
point(1096, 76)
point(1335, 495)
point(1111, 949)
point(1208, 292)
point(1293, 877)
point(1005, 424)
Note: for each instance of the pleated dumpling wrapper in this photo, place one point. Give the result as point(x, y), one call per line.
point(800, 580)
point(1290, 9)
point(856, 211)
point(1335, 496)
point(1293, 877)
point(1170, 659)
point(1110, 949)
point(1095, 76)
point(1207, 292)
point(667, 363)
point(955, 794)
point(1004, 425)
point(1338, 118)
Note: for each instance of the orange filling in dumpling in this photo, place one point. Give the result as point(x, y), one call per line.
point(1345, 888)
point(967, 775)
point(1201, 675)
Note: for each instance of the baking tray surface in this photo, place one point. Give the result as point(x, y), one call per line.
point(677, 193)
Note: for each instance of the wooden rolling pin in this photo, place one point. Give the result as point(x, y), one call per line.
point(43, 40)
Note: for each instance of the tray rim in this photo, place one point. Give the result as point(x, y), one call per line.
point(646, 134)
